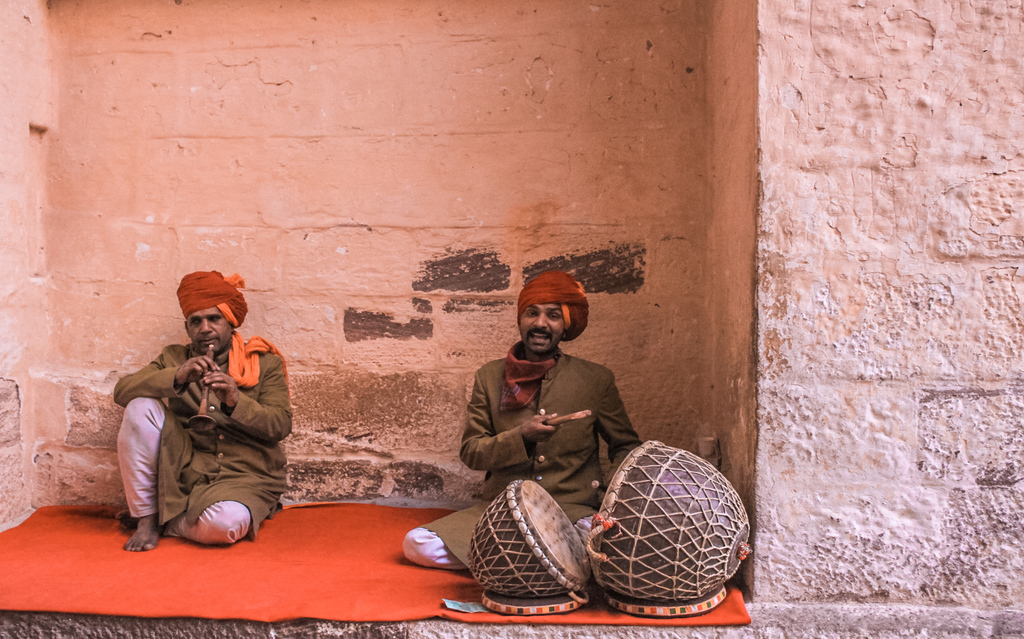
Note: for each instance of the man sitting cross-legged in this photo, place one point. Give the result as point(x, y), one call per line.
point(211, 486)
point(506, 434)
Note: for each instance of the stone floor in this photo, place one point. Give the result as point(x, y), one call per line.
point(771, 621)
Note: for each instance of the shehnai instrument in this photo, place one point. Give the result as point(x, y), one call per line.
point(670, 532)
point(202, 421)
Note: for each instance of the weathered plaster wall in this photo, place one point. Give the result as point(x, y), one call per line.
point(24, 117)
point(384, 175)
point(890, 344)
point(731, 266)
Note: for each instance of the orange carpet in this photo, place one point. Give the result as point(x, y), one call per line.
point(333, 561)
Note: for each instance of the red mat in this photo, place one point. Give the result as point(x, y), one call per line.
point(335, 561)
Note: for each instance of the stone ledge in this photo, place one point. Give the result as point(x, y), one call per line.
point(789, 621)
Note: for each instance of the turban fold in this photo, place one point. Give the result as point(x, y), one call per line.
point(209, 289)
point(558, 287)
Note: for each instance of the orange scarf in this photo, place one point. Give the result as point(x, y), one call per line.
point(244, 359)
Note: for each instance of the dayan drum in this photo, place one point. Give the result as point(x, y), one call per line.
point(670, 532)
point(527, 554)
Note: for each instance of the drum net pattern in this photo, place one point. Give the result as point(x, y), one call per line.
point(504, 555)
point(679, 523)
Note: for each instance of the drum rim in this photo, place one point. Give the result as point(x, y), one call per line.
point(671, 609)
point(567, 605)
point(528, 528)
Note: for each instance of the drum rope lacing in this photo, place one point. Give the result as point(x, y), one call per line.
point(538, 552)
point(647, 496)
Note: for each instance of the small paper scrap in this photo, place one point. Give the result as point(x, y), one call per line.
point(465, 606)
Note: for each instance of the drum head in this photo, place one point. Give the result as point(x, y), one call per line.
point(531, 605)
point(554, 532)
point(665, 609)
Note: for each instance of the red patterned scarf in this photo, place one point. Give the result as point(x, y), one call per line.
point(520, 380)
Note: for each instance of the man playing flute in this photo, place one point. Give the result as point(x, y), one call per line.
point(211, 480)
point(506, 433)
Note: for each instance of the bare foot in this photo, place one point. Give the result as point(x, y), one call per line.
point(146, 536)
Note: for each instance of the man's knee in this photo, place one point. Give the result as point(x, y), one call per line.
point(142, 414)
point(425, 548)
point(222, 523)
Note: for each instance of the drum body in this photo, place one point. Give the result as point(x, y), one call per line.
point(674, 528)
point(525, 546)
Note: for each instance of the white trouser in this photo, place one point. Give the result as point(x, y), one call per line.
point(424, 547)
point(138, 447)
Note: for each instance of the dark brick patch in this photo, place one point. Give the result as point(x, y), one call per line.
point(422, 306)
point(467, 305)
point(364, 325)
point(417, 480)
point(937, 394)
point(1006, 474)
point(312, 480)
point(472, 270)
point(355, 479)
point(619, 269)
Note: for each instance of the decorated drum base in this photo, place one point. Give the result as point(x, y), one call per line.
point(552, 605)
point(647, 608)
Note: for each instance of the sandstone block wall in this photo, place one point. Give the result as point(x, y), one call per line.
point(25, 116)
point(386, 175)
point(889, 318)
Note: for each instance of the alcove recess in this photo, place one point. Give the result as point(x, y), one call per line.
point(246, 131)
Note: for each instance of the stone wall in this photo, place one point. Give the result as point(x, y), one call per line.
point(809, 621)
point(385, 175)
point(24, 121)
point(890, 399)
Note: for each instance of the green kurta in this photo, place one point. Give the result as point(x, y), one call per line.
point(567, 465)
point(241, 459)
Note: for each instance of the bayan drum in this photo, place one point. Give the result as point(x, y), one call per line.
point(670, 532)
point(527, 554)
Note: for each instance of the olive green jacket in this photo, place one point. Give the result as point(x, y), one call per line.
point(241, 459)
point(567, 465)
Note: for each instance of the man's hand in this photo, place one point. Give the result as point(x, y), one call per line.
point(223, 386)
point(194, 369)
point(535, 430)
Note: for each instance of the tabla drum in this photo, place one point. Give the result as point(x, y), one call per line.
point(670, 532)
point(527, 554)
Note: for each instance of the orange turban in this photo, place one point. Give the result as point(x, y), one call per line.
point(558, 287)
point(208, 289)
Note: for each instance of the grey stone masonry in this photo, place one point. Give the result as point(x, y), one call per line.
point(770, 621)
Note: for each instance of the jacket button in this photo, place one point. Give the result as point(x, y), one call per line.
point(539, 478)
point(213, 408)
point(221, 437)
point(219, 455)
point(595, 484)
point(540, 459)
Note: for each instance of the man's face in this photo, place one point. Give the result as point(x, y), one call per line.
point(541, 328)
point(206, 327)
